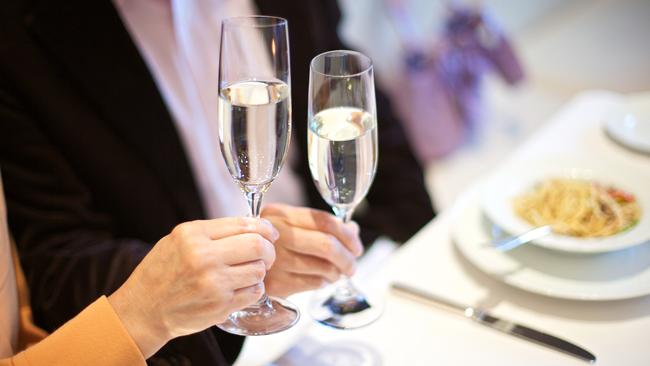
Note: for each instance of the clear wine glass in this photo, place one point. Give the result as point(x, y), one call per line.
point(254, 134)
point(342, 148)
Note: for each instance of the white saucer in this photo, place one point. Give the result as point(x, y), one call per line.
point(615, 275)
point(629, 124)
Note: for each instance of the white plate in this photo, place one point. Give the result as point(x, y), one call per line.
point(629, 124)
point(606, 276)
point(504, 185)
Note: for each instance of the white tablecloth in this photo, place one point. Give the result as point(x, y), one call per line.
point(410, 333)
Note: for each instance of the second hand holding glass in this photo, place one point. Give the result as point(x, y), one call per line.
point(342, 149)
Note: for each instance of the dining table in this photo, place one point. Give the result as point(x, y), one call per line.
point(412, 332)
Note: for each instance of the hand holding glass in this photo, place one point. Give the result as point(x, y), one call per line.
point(254, 133)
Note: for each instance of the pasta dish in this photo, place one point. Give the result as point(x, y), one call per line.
point(579, 208)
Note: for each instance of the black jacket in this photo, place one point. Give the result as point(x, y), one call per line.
point(94, 169)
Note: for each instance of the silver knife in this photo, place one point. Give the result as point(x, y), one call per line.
point(501, 325)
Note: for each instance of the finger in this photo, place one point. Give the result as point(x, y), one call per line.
point(301, 264)
point(245, 248)
point(357, 246)
point(307, 282)
point(312, 219)
point(323, 246)
point(247, 274)
point(354, 227)
point(247, 296)
point(285, 284)
point(229, 226)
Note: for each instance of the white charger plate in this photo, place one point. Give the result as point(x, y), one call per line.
point(511, 181)
point(629, 123)
point(616, 275)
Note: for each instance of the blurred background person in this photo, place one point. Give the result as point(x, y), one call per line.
point(563, 47)
point(438, 68)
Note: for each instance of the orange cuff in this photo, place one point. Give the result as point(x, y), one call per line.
point(94, 337)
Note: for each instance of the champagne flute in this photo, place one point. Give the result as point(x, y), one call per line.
point(254, 134)
point(342, 148)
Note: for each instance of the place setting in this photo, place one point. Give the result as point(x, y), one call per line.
point(563, 224)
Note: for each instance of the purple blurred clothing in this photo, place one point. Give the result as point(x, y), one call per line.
point(439, 93)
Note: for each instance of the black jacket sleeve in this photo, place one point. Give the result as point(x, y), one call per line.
point(67, 246)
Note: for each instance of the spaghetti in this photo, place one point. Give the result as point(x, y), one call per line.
point(579, 208)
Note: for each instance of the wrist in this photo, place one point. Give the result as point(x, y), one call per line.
point(143, 326)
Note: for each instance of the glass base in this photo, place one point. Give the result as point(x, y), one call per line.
point(262, 320)
point(345, 308)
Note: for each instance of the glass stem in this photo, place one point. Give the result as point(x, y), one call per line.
point(344, 289)
point(254, 203)
point(254, 206)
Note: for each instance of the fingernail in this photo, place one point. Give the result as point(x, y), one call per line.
point(359, 250)
point(274, 232)
point(354, 230)
point(352, 270)
point(353, 227)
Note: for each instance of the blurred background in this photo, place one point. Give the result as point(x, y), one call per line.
point(564, 47)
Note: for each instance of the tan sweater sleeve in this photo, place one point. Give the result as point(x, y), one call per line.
point(94, 337)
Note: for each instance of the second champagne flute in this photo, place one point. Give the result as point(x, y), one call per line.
point(254, 132)
point(342, 148)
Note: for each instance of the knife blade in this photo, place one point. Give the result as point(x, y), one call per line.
point(484, 318)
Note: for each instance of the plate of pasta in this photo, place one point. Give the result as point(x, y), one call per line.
point(616, 275)
point(592, 206)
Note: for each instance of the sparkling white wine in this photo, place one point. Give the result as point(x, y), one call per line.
point(254, 130)
point(342, 154)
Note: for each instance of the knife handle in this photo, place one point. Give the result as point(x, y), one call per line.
point(535, 336)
